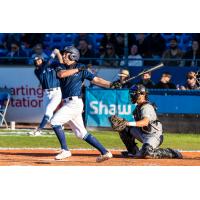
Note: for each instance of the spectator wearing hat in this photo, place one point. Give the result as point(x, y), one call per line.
point(123, 76)
point(146, 81)
point(134, 59)
point(165, 82)
point(191, 82)
point(172, 56)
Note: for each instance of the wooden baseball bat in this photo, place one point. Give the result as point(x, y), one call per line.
point(144, 72)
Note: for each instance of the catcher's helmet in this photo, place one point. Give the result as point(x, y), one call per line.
point(74, 53)
point(136, 90)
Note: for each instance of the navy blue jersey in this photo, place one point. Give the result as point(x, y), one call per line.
point(46, 74)
point(72, 85)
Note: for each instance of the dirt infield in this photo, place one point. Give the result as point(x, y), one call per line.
point(45, 157)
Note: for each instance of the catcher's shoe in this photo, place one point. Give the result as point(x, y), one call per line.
point(134, 151)
point(36, 132)
point(127, 154)
point(176, 154)
point(104, 157)
point(63, 154)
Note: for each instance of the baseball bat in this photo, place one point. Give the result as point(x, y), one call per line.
point(145, 71)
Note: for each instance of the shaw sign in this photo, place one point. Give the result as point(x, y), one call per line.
point(100, 104)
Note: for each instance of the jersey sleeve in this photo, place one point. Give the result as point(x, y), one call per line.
point(88, 75)
point(58, 68)
point(149, 112)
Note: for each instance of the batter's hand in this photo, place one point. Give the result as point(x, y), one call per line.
point(54, 53)
point(115, 85)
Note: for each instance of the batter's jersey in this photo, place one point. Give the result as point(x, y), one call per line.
point(72, 85)
point(46, 74)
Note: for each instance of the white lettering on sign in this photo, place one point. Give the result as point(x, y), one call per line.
point(98, 108)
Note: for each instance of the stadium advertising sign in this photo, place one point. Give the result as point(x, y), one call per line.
point(26, 103)
point(100, 104)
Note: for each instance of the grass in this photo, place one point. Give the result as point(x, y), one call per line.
point(109, 139)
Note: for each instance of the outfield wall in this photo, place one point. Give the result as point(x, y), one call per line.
point(179, 110)
point(27, 98)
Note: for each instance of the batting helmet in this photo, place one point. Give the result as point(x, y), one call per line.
point(136, 90)
point(74, 53)
point(37, 58)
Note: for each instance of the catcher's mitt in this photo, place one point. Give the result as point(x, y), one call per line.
point(117, 123)
point(116, 85)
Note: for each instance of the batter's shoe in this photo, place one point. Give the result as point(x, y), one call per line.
point(63, 154)
point(36, 132)
point(104, 157)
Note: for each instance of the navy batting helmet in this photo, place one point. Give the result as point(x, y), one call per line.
point(74, 53)
point(136, 90)
point(37, 58)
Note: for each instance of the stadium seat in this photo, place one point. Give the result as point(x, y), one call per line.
point(4, 101)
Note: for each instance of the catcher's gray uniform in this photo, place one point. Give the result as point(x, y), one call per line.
point(151, 136)
point(153, 133)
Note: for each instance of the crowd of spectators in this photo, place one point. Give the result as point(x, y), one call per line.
point(165, 82)
point(104, 49)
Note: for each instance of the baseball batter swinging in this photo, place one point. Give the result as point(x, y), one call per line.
point(71, 111)
point(46, 74)
point(146, 128)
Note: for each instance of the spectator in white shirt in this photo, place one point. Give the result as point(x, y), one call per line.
point(134, 59)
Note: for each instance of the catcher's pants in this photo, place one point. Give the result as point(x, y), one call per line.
point(153, 139)
point(52, 98)
point(71, 113)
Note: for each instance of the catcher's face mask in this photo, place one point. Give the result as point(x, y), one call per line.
point(136, 91)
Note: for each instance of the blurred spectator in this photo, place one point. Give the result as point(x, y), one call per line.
point(108, 38)
point(38, 52)
point(3, 50)
point(155, 45)
point(31, 39)
point(16, 55)
point(119, 45)
point(191, 83)
point(141, 44)
point(10, 38)
point(109, 59)
point(135, 58)
point(173, 53)
point(123, 76)
point(101, 52)
point(85, 53)
point(165, 82)
point(146, 80)
point(88, 38)
point(193, 54)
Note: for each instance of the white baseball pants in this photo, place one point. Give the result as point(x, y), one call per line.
point(71, 113)
point(51, 100)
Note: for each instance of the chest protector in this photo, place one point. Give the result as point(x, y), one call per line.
point(153, 126)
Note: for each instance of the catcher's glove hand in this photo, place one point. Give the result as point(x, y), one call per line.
point(117, 123)
point(115, 85)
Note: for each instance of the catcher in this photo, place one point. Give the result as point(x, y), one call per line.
point(146, 128)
